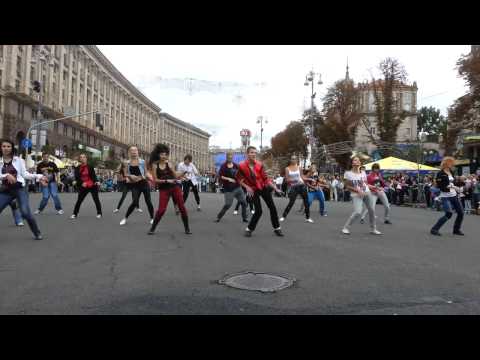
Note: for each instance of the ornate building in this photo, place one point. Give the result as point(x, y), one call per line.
point(79, 79)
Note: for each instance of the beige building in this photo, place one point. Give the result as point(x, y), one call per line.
point(405, 98)
point(78, 79)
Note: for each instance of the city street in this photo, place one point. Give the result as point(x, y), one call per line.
point(91, 266)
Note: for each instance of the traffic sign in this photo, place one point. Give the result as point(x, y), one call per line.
point(26, 143)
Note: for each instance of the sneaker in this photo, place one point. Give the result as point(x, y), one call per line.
point(139, 210)
point(309, 221)
point(458, 232)
point(278, 232)
point(150, 232)
point(245, 220)
point(387, 222)
point(37, 212)
point(123, 222)
point(60, 212)
point(99, 216)
point(282, 219)
point(20, 223)
point(198, 208)
point(362, 221)
point(235, 212)
point(345, 231)
point(216, 220)
point(73, 217)
point(38, 237)
point(375, 232)
point(115, 211)
point(325, 215)
point(247, 233)
point(253, 212)
point(151, 221)
point(434, 232)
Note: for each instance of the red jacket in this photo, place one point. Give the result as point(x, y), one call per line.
point(256, 181)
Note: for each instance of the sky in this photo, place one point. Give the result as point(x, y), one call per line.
point(235, 84)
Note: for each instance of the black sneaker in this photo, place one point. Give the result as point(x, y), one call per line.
point(458, 232)
point(150, 232)
point(278, 232)
point(248, 233)
point(434, 232)
point(216, 220)
point(387, 222)
point(245, 220)
point(362, 221)
point(38, 237)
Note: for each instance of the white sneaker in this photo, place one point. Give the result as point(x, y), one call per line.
point(99, 216)
point(37, 212)
point(139, 210)
point(115, 211)
point(375, 232)
point(73, 217)
point(21, 223)
point(123, 222)
point(282, 219)
point(309, 220)
point(235, 212)
point(346, 231)
point(151, 221)
point(60, 212)
point(253, 212)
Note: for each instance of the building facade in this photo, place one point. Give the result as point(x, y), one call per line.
point(405, 100)
point(77, 79)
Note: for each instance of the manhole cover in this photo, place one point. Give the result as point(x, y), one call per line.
point(257, 281)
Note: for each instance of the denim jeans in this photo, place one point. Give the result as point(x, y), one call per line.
point(50, 190)
point(16, 213)
point(312, 195)
point(229, 196)
point(447, 204)
point(22, 200)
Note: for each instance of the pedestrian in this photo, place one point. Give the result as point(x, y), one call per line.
point(13, 174)
point(231, 188)
point(357, 184)
point(251, 175)
point(86, 182)
point(375, 179)
point(449, 197)
point(427, 185)
point(188, 168)
point(167, 180)
point(315, 186)
point(296, 183)
point(135, 174)
point(50, 170)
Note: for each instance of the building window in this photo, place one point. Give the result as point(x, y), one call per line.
point(407, 131)
point(17, 85)
point(65, 130)
point(407, 101)
point(372, 130)
point(19, 66)
point(1, 77)
point(65, 63)
point(32, 73)
point(74, 133)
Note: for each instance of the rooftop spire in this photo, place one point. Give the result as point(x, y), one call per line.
point(347, 75)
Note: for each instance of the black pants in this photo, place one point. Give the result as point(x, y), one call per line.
point(125, 190)
point(428, 199)
point(186, 190)
point(82, 193)
point(294, 192)
point(266, 194)
point(137, 190)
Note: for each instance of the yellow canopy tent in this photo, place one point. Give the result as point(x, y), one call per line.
point(394, 164)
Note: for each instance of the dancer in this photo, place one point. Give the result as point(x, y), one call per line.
point(378, 184)
point(17, 215)
point(297, 186)
point(315, 186)
point(124, 188)
point(50, 170)
point(448, 197)
point(86, 182)
point(356, 183)
point(12, 187)
point(135, 173)
point(190, 171)
point(167, 180)
point(231, 188)
point(251, 175)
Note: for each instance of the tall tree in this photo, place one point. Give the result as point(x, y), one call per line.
point(389, 114)
point(291, 141)
point(341, 117)
point(430, 120)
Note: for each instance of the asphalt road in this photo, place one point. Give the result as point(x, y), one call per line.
point(91, 266)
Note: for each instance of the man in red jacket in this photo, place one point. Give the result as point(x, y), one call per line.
point(251, 175)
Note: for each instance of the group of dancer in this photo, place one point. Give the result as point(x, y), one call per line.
point(247, 182)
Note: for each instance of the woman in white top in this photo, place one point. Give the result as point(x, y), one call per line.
point(356, 183)
point(190, 172)
point(294, 178)
point(12, 184)
point(448, 197)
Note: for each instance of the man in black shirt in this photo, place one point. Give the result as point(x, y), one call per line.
point(50, 170)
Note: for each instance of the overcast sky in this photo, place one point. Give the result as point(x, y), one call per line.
point(269, 80)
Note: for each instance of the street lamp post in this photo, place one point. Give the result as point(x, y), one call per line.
point(310, 79)
point(420, 138)
point(261, 120)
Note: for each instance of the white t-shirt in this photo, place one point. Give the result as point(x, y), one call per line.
point(191, 171)
point(279, 180)
point(452, 192)
point(359, 181)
